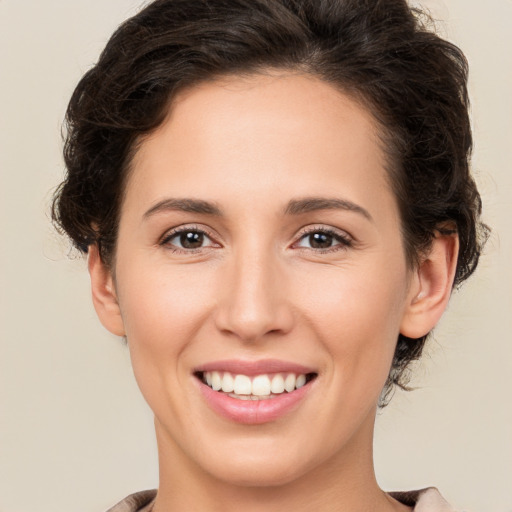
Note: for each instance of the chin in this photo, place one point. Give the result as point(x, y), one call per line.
point(259, 473)
point(260, 464)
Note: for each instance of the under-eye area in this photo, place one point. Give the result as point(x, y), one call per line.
point(256, 387)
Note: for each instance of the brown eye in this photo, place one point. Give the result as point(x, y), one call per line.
point(187, 240)
point(324, 239)
point(191, 239)
point(320, 240)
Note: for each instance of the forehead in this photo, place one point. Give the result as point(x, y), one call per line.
point(260, 134)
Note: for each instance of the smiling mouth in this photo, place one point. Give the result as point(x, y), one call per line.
point(256, 387)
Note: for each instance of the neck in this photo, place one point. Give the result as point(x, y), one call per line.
point(345, 482)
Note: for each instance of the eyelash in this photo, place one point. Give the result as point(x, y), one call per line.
point(344, 240)
point(166, 239)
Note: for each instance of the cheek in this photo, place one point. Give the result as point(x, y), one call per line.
point(162, 308)
point(354, 298)
point(356, 313)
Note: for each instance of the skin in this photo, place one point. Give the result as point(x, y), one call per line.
point(258, 288)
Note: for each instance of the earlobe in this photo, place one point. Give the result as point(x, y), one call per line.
point(104, 295)
point(431, 287)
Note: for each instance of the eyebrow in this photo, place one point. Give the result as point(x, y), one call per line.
point(310, 204)
point(294, 207)
point(184, 205)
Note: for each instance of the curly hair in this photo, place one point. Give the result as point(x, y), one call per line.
point(381, 52)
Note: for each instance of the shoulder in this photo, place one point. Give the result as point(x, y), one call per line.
point(138, 502)
point(424, 500)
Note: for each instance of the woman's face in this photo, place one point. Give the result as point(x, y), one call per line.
point(259, 238)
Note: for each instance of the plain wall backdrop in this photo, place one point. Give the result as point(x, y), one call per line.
point(75, 434)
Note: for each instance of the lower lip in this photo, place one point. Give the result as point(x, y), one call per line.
point(252, 412)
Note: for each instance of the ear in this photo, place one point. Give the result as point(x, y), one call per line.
point(431, 287)
point(104, 295)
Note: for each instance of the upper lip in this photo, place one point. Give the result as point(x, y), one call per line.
point(246, 367)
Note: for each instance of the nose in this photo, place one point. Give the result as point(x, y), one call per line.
point(254, 301)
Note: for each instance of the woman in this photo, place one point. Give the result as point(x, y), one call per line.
point(276, 202)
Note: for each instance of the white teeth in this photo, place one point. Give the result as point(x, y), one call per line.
point(216, 381)
point(289, 382)
point(277, 385)
point(242, 385)
point(227, 383)
point(261, 385)
point(253, 388)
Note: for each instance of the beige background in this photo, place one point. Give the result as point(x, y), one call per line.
point(75, 435)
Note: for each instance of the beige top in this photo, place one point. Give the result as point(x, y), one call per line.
point(425, 500)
